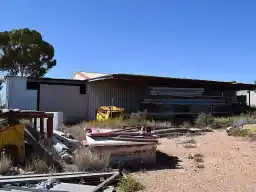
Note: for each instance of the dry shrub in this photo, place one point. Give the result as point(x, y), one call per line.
point(204, 120)
point(186, 125)
point(88, 160)
point(129, 184)
point(222, 122)
point(200, 165)
point(190, 156)
point(76, 130)
point(5, 164)
point(39, 166)
point(237, 132)
point(199, 155)
point(198, 159)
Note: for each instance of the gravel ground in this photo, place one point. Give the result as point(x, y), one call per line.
point(229, 165)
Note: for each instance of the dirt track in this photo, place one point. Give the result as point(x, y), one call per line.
point(230, 165)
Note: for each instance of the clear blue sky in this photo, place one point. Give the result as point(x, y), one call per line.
point(204, 39)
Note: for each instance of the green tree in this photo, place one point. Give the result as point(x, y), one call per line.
point(23, 52)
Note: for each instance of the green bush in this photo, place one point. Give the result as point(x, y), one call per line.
point(129, 184)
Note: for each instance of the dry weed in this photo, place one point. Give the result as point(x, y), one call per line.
point(5, 164)
point(200, 165)
point(88, 160)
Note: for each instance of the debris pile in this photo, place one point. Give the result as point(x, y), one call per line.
point(129, 145)
point(74, 181)
point(64, 144)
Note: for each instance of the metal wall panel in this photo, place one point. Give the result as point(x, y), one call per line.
point(17, 95)
point(113, 92)
point(67, 99)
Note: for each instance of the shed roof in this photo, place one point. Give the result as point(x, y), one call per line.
point(88, 75)
point(178, 81)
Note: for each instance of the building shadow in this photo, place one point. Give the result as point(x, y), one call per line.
point(163, 161)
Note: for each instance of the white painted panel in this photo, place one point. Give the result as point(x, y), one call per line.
point(57, 121)
point(252, 96)
point(63, 98)
point(17, 95)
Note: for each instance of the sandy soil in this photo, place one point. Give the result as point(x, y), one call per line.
point(229, 165)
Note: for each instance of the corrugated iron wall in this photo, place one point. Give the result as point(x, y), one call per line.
point(125, 94)
point(129, 95)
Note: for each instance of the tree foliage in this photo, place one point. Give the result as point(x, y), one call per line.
point(23, 52)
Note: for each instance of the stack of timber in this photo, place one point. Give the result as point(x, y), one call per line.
point(168, 102)
point(169, 91)
point(124, 145)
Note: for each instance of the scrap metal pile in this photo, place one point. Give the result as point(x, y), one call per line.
point(131, 144)
point(123, 145)
point(69, 181)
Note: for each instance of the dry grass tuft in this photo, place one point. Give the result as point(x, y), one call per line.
point(39, 166)
point(76, 130)
point(129, 184)
point(5, 164)
point(88, 160)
